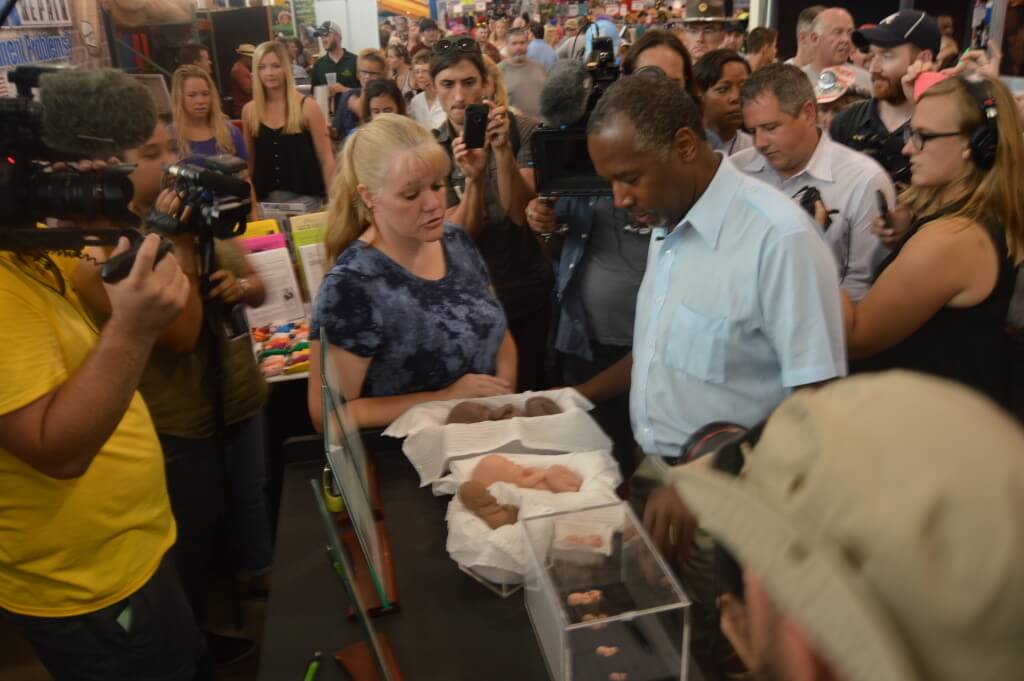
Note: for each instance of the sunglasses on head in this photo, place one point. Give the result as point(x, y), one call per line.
point(461, 45)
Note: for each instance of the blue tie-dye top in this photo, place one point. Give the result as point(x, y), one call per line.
point(422, 335)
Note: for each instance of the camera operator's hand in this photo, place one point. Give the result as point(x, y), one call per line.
point(473, 162)
point(167, 201)
point(230, 289)
point(892, 227)
point(540, 215)
point(477, 385)
point(152, 295)
point(498, 127)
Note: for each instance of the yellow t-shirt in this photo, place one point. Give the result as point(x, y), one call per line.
point(69, 547)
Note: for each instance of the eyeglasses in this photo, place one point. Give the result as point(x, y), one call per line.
point(706, 29)
point(917, 138)
point(445, 46)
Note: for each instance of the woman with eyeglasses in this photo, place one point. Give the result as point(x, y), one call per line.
point(285, 133)
point(487, 193)
point(939, 302)
point(371, 66)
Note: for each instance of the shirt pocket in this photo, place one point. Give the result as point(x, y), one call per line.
point(697, 344)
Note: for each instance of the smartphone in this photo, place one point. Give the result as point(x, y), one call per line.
point(475, 128)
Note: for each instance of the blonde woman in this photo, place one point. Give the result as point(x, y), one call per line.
point(499, 36)
point(285, 133)
point(495, 90)
point(407, 308)
point(200, 128)
point(939, 302)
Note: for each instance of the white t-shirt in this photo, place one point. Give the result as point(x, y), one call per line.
point(430, 117)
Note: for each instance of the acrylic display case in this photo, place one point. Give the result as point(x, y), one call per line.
point(603, 603)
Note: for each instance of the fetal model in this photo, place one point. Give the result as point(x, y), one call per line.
point(477, 499)
point(474, 412)
point(496, 468)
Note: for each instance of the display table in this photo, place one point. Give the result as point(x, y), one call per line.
point(449, 626)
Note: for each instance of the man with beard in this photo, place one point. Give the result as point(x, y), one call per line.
point(338, 61)
point(524, 77)
point(831, 46)
point(876, 126)
point(822, 584)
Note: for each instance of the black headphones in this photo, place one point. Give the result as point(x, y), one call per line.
point(725, 442)
point(984, 138)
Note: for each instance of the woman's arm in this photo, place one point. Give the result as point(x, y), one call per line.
point(950, 263)
point(508, 361)
point(317, 126)
point(248, 137)
point(349, 372)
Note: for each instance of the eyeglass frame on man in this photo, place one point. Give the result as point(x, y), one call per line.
point(704, 28)
point(917, 138)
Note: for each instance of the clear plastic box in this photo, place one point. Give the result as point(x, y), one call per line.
point(603, 603)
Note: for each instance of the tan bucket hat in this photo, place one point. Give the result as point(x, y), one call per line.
point(885, 513)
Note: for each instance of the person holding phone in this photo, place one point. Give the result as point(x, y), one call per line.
point(488, 191)
point(939, 303)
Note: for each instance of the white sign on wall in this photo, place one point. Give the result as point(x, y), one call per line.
point(39, 14)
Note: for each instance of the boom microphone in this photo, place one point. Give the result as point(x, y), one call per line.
point(563, 99)
point(80, 119)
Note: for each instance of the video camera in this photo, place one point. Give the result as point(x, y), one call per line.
point(215, 200)
point(562, 165)
point(30, 190)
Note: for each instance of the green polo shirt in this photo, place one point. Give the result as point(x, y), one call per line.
point(344, 67)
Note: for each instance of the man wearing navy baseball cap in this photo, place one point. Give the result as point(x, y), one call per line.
point(876, 126)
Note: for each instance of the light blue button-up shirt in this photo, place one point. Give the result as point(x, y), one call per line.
point(738, 306)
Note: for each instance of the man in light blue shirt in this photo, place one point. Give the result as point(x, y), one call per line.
point(739, 304)
point(540, 51)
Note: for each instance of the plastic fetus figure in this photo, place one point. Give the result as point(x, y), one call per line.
point(475, 412)
point(496, 468)
point(478, 500)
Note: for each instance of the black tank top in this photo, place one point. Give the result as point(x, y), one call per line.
point(970, 344)
point(287, 163)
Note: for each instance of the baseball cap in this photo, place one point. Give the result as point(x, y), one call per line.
point(906, 26)
point(334, 27)
point(428, 25)
point(882, 512)
point(833, 83)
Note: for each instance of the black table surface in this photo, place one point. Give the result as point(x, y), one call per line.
point(449, 626)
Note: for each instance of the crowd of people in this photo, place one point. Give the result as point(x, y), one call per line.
point(770, 228)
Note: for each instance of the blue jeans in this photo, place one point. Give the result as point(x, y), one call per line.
point(246, 472)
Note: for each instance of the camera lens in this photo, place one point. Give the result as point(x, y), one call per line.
point(82, 196)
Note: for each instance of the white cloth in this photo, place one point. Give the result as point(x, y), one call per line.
point(847, 181)
point(430, 117)
point(739, 305)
